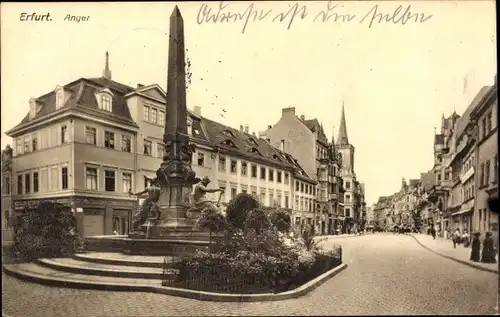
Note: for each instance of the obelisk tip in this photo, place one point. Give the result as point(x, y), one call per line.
point(176, 12)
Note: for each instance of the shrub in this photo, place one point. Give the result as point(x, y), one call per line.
point(47, 231)
point(281, 220)
point(257, 219)
point(238, 208)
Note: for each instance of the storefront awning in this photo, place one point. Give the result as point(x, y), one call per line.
point(462, 212)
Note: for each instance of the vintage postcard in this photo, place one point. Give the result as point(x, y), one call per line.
point(249, 158)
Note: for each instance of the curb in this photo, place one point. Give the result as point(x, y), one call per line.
point(179, 292)
point(471, 264)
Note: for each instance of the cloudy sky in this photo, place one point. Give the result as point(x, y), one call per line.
point(395, 80)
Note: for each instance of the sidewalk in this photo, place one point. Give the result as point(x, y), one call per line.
point(445, 248)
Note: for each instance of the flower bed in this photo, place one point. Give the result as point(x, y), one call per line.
point(253, 251)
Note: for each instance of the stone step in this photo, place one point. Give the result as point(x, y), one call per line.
point(70, 265)
point(116, 258)
point(34, 272)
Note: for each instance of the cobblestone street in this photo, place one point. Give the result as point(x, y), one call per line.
point(387, 274)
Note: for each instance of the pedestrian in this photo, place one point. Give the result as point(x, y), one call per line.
point(489, 252)
point(433, 233)
point(466, 239)
point(455, 238)
point(476, 246)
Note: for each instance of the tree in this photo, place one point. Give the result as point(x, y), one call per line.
point(238, 208)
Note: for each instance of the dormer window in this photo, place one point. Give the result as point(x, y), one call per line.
point(228, 133)
point(276, 157)
point(105, 99)
point(106, 102)
point(252, 141)
point(59, 99)
point(254, 150)
point(229, 143)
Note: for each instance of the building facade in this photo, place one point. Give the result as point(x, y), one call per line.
point(485, 120)
point(7, 207)
point(306, 141)
point(89, 143)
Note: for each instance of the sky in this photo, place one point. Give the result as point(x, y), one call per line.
point(395, 79)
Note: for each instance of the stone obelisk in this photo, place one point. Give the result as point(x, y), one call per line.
point(175, 173)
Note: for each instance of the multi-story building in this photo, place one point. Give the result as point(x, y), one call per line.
point(484, 118)
point(7, 230)
point(439, 193)
point(88, 143)
point(462, 162)
point(382, 212)
point(306, 141)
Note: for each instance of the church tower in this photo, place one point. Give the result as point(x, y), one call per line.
point(346, 149)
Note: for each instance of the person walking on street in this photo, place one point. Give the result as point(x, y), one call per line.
point(456, 238)
point(489, 253)
point(466, 239)
point(476, 246)
point(433, 233)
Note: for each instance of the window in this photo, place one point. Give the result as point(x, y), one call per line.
point(91, 178)
point(201, 159)
point(271, 199)
point(147, 147)
point(278, 198)
point(64, 134)
point(90, 135)
point(297, 186)
point(307, 189)
point(19, 146)
point(109, 181)
point(347, 185)
point(161, 118)
point(234, 165)
point(262, 196)
point(27, 183)
point(253, 170)
point(34, 142)
point(347, 198)
point(109, 140)
point(287, 178)
point(278, 177)
point(233, 193)
point(271, 175)
point(126, 182)
point(488, 122)
point(160, 150)
point(487, 173)
point(126, 143)
point(222, 164)
point(106, 102)
point(6, 187)
point(347, 212)
point(146, 113)
point(262, 173)
point(54, 179)
point(154, 116)
point(244, 168)
point(26, 144)
point(19, 184)
point(35, 182)
point(287, 202)
point(495, 169)
point(301, 187)
point(44, 179)
point(481, 176)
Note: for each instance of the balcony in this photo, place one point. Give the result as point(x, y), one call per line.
point(467, 175)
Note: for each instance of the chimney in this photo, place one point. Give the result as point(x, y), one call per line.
point(140, 85)
point(197, 110)
point(246, 128)
point(269, 127)
point(282, 145)
point(106, 73)
point(302, 117)
point(241, 128)
point(290, 111)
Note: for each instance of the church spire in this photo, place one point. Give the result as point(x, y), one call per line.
point(106, 73)
point(342, 138)
point(333, 135)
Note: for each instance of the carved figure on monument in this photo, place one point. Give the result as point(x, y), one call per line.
point(150, 207)
point(201, 202)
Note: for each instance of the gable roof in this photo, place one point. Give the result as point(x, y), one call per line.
point(315, 126)
point(464, 120)
point(82, 97)
point(248, 146)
